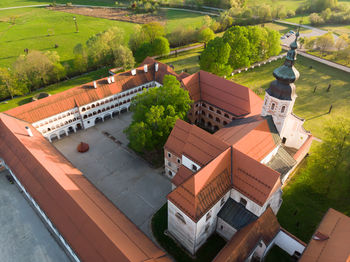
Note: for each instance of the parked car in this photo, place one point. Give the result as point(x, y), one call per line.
point(291, 32)
point(283, 37)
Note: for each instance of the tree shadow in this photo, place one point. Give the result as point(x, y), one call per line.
point(25, 101)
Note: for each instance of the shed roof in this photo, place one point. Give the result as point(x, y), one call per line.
point(243, 243)
point(334, 245)
point(236, 215)
point(94, 228)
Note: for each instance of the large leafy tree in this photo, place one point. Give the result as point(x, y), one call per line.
point(160, 46)
point(155, 113)
point(215, 57)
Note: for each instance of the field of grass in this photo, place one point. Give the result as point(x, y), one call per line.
point(55, 88)
point(288, 4)
point(311, 106)
point(303, 18)
point(186, 61)
point(12, 3)
point(337, 29)
point(33, 25)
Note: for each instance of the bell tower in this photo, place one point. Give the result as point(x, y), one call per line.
point(280, 96)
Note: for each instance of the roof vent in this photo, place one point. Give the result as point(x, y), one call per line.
point(145, 68)
point(156, 67)
point(109, 80)
point(133, 72)
point(112, 79)
point(29, 131)
point(95, 84)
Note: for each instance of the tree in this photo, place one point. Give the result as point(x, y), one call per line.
point(38, 68)
point(155, 113)
point(316, 19)
point(123, 57)
point(205, 35)
point(80, 62)
point(215, 57)
point(325, 42)
point(237, 38)
point(342, 42)
point(329, 164)
point(9, 86)
point(153, 30)
point(160, 46)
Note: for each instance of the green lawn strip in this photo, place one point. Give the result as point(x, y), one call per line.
point(55, 88)
point(330, 57)
point(311, 106)
point(276, 254)
point(186, 61)
point(176, 18)
point(206, 253)
point(296, 19)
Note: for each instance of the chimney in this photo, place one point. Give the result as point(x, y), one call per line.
point(112, 79)
point(109, 80)
point(29, 131)
point(95, 84)
point(133, 72)
point(145, 68)
point(156, 67)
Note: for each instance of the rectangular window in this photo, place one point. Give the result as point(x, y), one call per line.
point(222, 202)
point(208, 216)
point(169, 155)
point(194, 167)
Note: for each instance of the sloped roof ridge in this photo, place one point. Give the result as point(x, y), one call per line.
point(253, 177)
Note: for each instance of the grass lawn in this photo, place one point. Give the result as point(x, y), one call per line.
point(56, 88)
point(34, 24)
point(337, 29)
point(205, 254)
point(288, 4)
point(310, 106)
point(11, 3)
point(184, 19)
point(331, 57)
point(304, 18)
point(283, 28)
point(276, 254)
point(186, 61)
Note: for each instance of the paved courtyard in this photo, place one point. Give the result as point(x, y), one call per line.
point(127, 180)
point(23, 236)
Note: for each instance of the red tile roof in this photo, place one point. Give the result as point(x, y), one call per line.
point(89, 222)
point(253, 179)
point(243, 243)
point(202, 190)
point(252, 136)
point(195, 143)
point(227, 95)
point(334, 245)
point(182, 175)
point(85, 94)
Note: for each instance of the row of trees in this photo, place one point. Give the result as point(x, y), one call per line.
point(339, 15)
point(30, 72)
point(338, 50)
point(239, 47)
point(310, 6)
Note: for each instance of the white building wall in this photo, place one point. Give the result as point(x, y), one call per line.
point(185, 233)
point(270, 155)
point(189, 163)
point(288, 243)
point(225, 230)
point(293, 132)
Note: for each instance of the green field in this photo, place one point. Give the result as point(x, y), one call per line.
point(12, 3)
point(55, 88)
point(33, 25)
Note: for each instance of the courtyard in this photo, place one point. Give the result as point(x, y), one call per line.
point(23, 236)
point(136, 188)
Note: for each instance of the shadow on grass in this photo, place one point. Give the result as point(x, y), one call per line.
point(205, 254)
point(25, 101)
point(317, 116)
